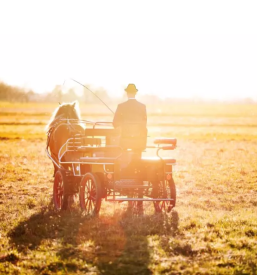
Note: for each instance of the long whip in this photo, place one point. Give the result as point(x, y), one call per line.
point(93, 94)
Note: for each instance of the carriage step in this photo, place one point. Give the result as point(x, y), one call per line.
point(128, 183)
point(138, 199)
point(130, 186)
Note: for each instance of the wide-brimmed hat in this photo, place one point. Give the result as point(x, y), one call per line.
point(131, 88)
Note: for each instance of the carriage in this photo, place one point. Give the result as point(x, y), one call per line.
point(100, 163)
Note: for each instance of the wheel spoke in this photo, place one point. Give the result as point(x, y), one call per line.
point(90, 205)
point(87, 187)
point(168, 191)
point(86, 204)
point(162, 205)
point(90, 186)
point(89, 199)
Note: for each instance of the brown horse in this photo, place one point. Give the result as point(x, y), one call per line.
point(63, 124)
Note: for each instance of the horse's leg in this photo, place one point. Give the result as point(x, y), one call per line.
point(52, 150)
point(67, 187)
point(55, 170)
point(66, 195)
point(55, 167)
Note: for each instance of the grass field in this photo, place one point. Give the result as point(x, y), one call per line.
point(212, 229)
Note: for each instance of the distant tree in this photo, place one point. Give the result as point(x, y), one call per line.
point(30, 93)
point(150, 99)
point(3, 91)
point(56, 94)
point(70, 96)
point(102, 94)
point(12, 94)
point(248, 100)
point(89, 97)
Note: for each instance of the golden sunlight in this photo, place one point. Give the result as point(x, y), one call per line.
point(174, 55)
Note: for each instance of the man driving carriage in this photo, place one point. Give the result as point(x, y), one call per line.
point(131, 110)
point(131, 118)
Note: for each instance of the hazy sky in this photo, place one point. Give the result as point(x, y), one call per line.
point(171, 48)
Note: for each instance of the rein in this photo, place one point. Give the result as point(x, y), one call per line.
point(56, 122)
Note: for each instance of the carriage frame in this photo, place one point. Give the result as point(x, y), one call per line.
point(95, 166)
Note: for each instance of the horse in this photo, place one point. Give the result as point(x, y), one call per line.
point(60, 128)
point(64, 124)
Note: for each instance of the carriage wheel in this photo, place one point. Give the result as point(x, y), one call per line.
point(90, 194)
point(58, 190)
point(167, 190)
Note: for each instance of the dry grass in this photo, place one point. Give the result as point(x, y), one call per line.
point(212, 230)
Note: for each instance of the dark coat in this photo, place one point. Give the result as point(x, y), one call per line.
point(129, 112)
point(130, 117)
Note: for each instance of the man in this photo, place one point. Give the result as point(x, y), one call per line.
point(131, 110)
point(131, 118)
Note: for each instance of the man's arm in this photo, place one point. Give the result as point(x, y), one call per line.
point(117, 119)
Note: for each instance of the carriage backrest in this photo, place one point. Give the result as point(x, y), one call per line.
point(107, 136)
point(133, 136)
point(130, 136)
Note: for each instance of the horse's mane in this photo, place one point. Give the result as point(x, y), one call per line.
point(59, 112)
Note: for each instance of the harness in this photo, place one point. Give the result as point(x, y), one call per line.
point(54, 126)
point(51, 129)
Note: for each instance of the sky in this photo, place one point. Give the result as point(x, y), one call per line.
point(169, 48)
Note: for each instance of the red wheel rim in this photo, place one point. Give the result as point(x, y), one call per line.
point(88, 196)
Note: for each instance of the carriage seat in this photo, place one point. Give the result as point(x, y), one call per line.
point(155, 160)
point(166, 141)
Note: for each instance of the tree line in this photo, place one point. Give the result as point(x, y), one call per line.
point(10, 93)
point(16, 94)
point(13, 94)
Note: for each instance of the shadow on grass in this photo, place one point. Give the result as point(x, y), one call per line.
point(115, 244)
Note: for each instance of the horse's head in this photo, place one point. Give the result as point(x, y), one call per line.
point(68, 110)
point(64, 111)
